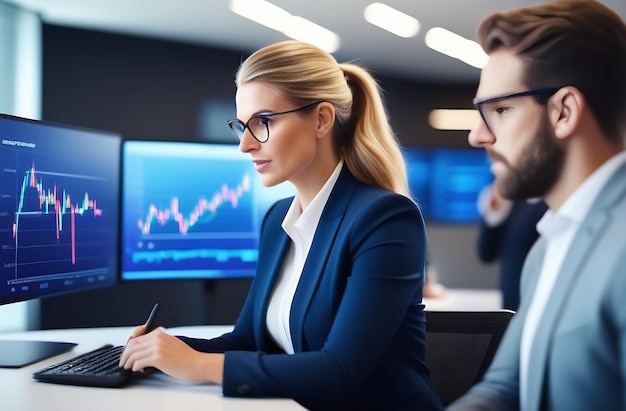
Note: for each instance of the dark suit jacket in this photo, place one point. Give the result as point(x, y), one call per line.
point(357, 321)
point(509, 243)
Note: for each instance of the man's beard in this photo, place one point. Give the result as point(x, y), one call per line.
point(539, 166)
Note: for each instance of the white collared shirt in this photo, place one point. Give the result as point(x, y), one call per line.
point(559, 229)
point(300, 227)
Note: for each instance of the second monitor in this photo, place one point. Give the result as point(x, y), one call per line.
point(191, 210)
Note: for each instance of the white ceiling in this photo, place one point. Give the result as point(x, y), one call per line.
point(210, 22)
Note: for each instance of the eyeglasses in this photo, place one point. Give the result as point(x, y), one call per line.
point(490, 115)
point(259, 125)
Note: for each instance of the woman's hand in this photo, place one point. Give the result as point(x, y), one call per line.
point(171, 356)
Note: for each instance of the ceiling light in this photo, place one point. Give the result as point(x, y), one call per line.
point(262, 12)
point(276, 18)
point(453, 119)
point(453, 45)
point(302, 29)
point(392, 20)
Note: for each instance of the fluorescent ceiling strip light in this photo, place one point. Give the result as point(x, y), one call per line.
point(453, 45)
point(262, 12)
point(392, 20)
point(305, 30)
point(453, 119)
point(276, 18)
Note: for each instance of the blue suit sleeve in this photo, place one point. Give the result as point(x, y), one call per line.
point(383, 252)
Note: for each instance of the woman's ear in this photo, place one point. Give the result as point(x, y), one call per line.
point(565, 110)
point(325, 118)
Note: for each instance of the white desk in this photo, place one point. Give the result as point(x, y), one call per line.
point(465, 300)
point(20, 392)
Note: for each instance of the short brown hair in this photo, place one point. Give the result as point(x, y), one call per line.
point(579, 43)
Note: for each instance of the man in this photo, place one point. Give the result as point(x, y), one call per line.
point(553, 101)
point(506, 232)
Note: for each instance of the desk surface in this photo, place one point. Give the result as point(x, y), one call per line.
point(20, 392)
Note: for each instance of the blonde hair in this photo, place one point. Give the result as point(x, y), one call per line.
point(363, 137)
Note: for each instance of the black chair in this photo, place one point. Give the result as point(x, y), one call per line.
point(460, 346)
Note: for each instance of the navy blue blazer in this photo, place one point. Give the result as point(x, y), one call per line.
point(357, 320)
point(509, 243)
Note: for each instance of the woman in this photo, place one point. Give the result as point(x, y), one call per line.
point(334, 317)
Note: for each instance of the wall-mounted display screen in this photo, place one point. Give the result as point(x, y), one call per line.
point(446, 182)
point(191, 210)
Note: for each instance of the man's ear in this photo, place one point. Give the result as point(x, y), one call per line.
point(325, 118)
point(565, 110)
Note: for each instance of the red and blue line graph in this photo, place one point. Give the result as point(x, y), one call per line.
point(203, 212)
point(53, 201)
point(59, 209)
point(59, 228)
point(190, 210)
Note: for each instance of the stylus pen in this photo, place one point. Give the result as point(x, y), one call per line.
point(151, 318)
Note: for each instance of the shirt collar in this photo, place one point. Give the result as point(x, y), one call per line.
point(307, 221)
point(578, 204)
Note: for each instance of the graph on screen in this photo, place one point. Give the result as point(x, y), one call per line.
point(46, 211)
point(59, 190)
point(203, 212)
point(191, 210)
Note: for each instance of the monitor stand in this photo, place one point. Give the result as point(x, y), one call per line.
point(20, 353)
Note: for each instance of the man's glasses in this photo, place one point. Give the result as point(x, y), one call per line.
point(490, 113)
point(259, 125)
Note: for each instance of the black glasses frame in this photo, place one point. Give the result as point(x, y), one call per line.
point(238, 127)
point(541, 91)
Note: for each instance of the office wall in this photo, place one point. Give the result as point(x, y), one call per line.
point(20, 91)
point(153, 89)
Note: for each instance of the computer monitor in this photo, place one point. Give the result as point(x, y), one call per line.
point(417, 161)
point(457, 177)
point(191, 210)
point(59, 217)
point(446, 182)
